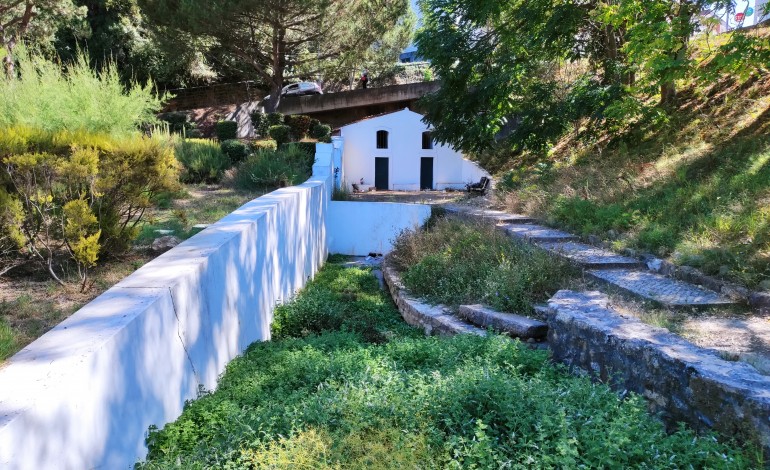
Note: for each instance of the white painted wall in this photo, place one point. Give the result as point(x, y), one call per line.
point(360, 228)
point(405, 128)
point(84, 394)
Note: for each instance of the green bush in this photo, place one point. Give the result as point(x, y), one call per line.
point(202, 159)
point(259, 121)
point(77, 194)
point(226, 130)
point(179, 123)
point(274, 119)
point(456, 262)
point(346, 384)
point(299, 125)
point(274, 169)
point(235, 150)
point(46, 96)
point(321, 132)
point(306, 147)
point(280, 133)
point(264, 144)
point(590, 217)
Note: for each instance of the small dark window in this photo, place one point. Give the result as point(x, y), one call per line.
point(382, 139)
point(427, 140)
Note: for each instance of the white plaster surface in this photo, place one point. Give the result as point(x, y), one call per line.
point(405, 128)
point(360, 228)
point(83, 395)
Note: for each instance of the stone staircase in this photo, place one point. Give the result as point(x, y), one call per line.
point(623, 273)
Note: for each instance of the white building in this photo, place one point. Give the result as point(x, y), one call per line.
point(396, 152)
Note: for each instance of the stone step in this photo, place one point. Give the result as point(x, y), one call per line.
point(660, 289)
point(497, 216)
point(590, 256)
point(515, 325)
point(537, 233)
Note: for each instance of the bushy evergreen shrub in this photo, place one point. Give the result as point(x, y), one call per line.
point(280, 133)
point(77, 194)
point(267, 169)
point(202, 159)
point(235, 150)
point(46, 96)
point(299, 125)
point(264, 144)
point(259, 121)
point(226, 130)
point(321, 132)
point(274, 119)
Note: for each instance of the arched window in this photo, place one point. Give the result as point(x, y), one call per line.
point(382, 139)
point(427, 140)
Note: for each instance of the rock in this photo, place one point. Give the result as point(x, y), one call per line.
point(764, 285)
point(612, 234)
point(165, 243)
point(594, 240)
point(655, 264)
point(164, 232)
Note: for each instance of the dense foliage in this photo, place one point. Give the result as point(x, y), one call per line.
point(77, 98)
point(203, 160)
point(282, 40)
point(531, 71)
point(271, 168)
point(76, 194)
point(348, 385)
point(456, 262)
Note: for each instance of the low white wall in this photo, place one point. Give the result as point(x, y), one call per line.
point(360, 228)
point(84, 394)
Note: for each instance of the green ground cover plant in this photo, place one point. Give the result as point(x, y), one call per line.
point(455, 261)
point(291, 164)
point(326, 394)
point(203, 160)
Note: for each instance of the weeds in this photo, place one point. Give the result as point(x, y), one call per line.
point(458, 262)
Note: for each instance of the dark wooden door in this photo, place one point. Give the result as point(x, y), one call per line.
point(426, 173)
point(381, 173)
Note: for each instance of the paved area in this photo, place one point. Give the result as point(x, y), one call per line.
point(590, 256)
point(413, 197)
point(494, 215)
point(666, 291)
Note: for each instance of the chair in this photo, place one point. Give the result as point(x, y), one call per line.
point(480, 187)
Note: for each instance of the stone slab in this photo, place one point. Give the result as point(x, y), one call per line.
point(497, 216)
point(516, 325)
point(590, 256)
point(660, 289)
point(681, 381)
point(537, 233)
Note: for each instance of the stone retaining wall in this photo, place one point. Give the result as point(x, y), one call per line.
point(681, 381)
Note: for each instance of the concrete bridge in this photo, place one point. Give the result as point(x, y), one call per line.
point(337, 109)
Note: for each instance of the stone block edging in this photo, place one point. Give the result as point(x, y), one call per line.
point(433, 319)
point(681, 381)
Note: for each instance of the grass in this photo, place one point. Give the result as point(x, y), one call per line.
point(199, 204)
point(458, 262)
point(694, 189)
point(327, 394)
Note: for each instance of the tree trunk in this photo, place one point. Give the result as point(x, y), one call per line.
point(279, 66)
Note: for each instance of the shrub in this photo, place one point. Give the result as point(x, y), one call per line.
point(274, 169)
point(226, 130)
point(179, 123)
point(274, 119)
point(321, 132)
point(299, 125)
point(46, 96)
point(281, 134)
point(457, 262)
point(235, 150)
point(78, 194)
point(202, 159)
point(305, 147)
point(264, 144)
point(259, 121)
